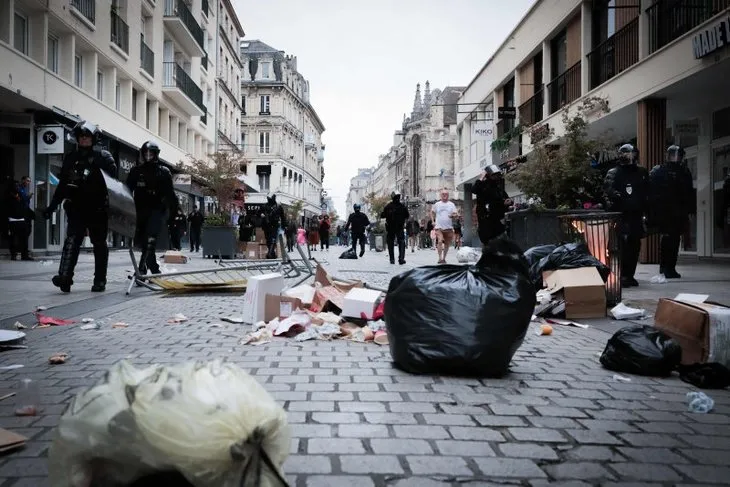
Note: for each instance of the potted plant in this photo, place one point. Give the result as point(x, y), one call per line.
point(376, 205)
point(219, 174)
point(557, 177)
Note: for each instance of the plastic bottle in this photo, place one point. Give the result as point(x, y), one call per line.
point(699, 402)
point(28, 398)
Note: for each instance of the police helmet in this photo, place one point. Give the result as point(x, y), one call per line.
point(356, 207)
point(627, 154)
point(492, 169)
point(395, 196)
point(150, 151)
point(675, 153)
point(87, 128)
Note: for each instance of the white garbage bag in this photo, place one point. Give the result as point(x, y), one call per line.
point(211, 422)
point(467, 255)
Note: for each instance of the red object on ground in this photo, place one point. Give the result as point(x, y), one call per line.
point(50, 320)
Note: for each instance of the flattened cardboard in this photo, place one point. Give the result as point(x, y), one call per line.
point(328, 298)
point(174, 257)
point(583, 290)
point(10, 441)
point(321, 276)
point(280, 307)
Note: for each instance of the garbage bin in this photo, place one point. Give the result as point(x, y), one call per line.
point(598, 231)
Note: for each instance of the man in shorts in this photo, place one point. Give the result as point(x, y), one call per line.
point(442, 214)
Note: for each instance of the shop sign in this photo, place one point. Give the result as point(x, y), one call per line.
point(686, 128)
point(482, 132)
point(49, 139)
point(182, 179)
point(711, 38)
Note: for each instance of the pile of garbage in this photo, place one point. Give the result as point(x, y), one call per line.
point(326, 310)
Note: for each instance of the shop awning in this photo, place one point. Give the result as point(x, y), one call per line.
point(252, 185)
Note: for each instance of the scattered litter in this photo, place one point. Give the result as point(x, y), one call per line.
point(326, 331)
point(691, 298)
point(45, 321)
point(258, 337)
point(623, 312)
point(58, 358)
point(9, 337)
point(658, 279)
point(467, 255)
point(7, 396)
point(41, 308)
point(90, 326)
point(376, 326)
point(120, 325)
point(544, 330)
point(12, 367)
point(381, 337)
point(699, 402)
point(87, 320)
point(178, 318)
point(28, 398)
point(555, 321)
point(45, 262)
point(26, 411)
point(233, 319)
point(621, 378)
point(19, 326)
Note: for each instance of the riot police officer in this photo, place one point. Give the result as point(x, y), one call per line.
point(492, 203)
point(81, 185)
point(358, 221)
point(672, 201)
point(395, 214)
point(273, 219)
point(627, 192)
point(154, 198)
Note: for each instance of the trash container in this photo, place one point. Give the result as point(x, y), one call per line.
point(598, 231)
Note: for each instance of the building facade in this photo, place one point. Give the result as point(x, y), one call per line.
point(281, 133)
point(134, 68)
point(661, 66)
point(358, 190)
point(228, 78)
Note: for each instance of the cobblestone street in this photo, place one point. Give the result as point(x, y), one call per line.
point(558, 418)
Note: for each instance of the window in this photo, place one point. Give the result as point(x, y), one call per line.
point(243, 104)
point(243, 141)
point(20, 34)
point(134, 104)
point(148, 111)
point(52, 61)
point(266, 70)
point(264, 181)
point(264, 142)
point(265, 104)
point(118, 97)
point(100, 86)
point(78, 71)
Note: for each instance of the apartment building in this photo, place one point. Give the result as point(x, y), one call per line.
point(139, 69)
point(358, 189)
point(228, 80)
point(661, 65)
point(281, 132)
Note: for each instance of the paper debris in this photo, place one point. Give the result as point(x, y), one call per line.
point(623, 312)
point(233, 319)
point(556, 321)
point(87, 320)
point(58, 358)
point(120, 325)
point(621, 378)
point(12, 367)
point(258, 337)
point(19, 326)
point(178, 318)
point(90, 326)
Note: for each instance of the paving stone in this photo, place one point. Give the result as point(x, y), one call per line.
point(339, 481)
point(542, 435)
point(335, 418)
point(475, 433)
point(553, 422)
point(362, 407)
point(412, 407)
point(362, 431)
point(437, 465)
point(370, 464)
point(646, 471)
point(509, 410)
point(578, 470)
point(449, 419)
point(390, 418)
point(606, 425)
point(509, 467)
point(590, 452)
point(392, 446)
point(343, 446)
point(705, 473)
point(707, 457)
point(651, 439)
point(296, 464)
point(465, 448)
point(528, 450)
point(588, 437)
point(422, 432)
point(565, 412)
point(651, 455)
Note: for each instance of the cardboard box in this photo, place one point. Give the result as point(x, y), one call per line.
point(280, 307)
point(582, 289)
point(174, 257)
point(321, 276)
point(328, 298)
point(260, 236)
point(254, 301)
point(360, 301)
point(701, 329)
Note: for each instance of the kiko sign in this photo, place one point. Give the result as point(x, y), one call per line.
point(712, 38)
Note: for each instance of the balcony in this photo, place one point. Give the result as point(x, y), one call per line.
point(119, 32)
point(671, 19)
point(87, 8)
point(146, 57)
point(531, 110)
point(565, 89)
point(614, 55)
point(204, 118)
point(182, 25)
point(179, 87)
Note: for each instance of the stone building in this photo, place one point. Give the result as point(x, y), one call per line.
point(358, 189)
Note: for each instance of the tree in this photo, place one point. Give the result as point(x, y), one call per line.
point(333, 216)
point(376, 204)
point(295, 211)
point(560, 173)
point(219, 174)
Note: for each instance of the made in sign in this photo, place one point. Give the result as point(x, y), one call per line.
point(711, 38)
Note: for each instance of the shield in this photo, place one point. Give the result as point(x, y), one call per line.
point(122, 212)
point(629, 189)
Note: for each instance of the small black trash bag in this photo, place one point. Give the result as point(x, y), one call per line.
point(534, 254)
point(711, 375)
point(641, 350)
point(568, 256)
point(459, 319)
point(349, 254)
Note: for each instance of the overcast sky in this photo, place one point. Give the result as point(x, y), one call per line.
point(364, 58)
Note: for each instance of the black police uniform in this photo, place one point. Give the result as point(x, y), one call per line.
point(82, 186)
point(195, 219)
point(627, 192)
point(490, 209)
point(177, 228)
point(358, 221)
point(154, 195)
point(672, 201)
point(274, 218)
point(396, 215)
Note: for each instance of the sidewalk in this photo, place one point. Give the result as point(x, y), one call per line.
point(558, 419)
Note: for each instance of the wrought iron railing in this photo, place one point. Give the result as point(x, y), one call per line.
point(119, 32)
point(146, 57)
point(177, 8)
point(566, 88)
point(615, 54)
point(671, 19)
point(531, 110)
point(173, 75)
point(87, 8)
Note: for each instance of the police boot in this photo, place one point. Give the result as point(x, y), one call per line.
point(101, 262)
point(150, 259)
point(99, 285)
point(69, 256)
point(63, 282)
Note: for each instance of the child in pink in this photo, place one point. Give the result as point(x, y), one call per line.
point(301, 236)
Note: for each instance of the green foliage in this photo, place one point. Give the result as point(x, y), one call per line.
point(377, 205)
point(217, 220)
point(559, 173)
point(502, 143)
point(294, 211)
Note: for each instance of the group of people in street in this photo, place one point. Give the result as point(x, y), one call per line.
point(191, 226)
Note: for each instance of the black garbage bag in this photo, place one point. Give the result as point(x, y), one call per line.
point(348, 254)
point(642, 350)
point(460, 319)
point(534, 254)
point(568, 256)
point(711, 375)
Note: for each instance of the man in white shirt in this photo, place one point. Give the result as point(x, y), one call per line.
point(442, 213)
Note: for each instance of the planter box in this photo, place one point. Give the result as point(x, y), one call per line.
point(372, 241)
point(529, 228)
point(219, 242)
